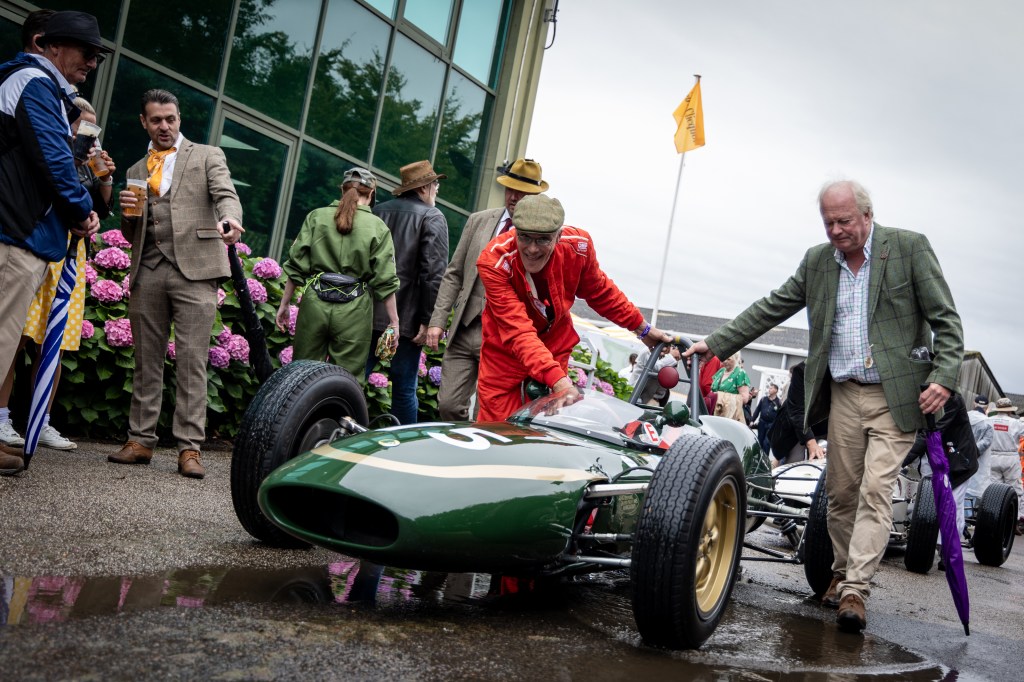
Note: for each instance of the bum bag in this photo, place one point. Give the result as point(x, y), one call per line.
point(335, 287)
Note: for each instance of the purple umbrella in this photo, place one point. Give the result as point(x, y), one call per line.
point(952, 555)
point(50, 353)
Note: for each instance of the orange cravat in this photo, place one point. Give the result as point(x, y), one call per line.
point(155, 166)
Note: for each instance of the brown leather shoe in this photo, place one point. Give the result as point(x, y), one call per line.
point(831, 597)
point(131, 452)
point(851, 617)
point(189, 464)
point(12, 460)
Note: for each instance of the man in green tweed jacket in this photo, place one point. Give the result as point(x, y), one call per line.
point(873, 295)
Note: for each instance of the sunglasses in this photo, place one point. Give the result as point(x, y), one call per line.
point(91, 53)
point(526, 240)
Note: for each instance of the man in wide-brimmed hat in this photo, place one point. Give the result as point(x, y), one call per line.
point(420, 234)
point(41, 197)
point(462, 294)
point(532, 275)
point(1007, 431)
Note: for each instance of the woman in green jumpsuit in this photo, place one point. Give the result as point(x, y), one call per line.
point(344, 238)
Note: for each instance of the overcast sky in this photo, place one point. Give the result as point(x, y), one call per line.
point(921, 101)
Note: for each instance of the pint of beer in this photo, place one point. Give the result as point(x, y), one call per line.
point(138, 188)
point(97, 164)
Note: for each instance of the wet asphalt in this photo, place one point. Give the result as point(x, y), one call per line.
point(132, 572)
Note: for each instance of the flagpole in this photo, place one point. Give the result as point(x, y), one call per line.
point(672, 217)
point(668, 240)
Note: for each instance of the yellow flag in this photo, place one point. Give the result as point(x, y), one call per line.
point(689, 116)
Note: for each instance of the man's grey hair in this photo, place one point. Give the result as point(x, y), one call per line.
point(860, 194)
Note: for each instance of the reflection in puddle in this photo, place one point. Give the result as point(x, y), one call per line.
point(46, 599)
point(750, 642)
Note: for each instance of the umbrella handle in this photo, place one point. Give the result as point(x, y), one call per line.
point(929, 418)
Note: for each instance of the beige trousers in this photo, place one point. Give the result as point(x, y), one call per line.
point(459, 372)
point(865, 451)
point(21, 273)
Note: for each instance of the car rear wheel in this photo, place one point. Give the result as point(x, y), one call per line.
point(688, 542)
point(298, 407)
point(993, 530)
point(818, 555)
point(924, 530)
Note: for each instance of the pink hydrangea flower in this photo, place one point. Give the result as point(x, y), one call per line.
point(293, 316)
point(220, 297)
point(267, 269)
point(172, 352)
point(257, 291)
point(422, 371)
point(224, 337)
point(126, 286)
point(87, 329)
point(114, 238)
point(581, 379)
point(243, 248)
point(119, 333)
point(90, 274)
point(113, 258)
point(285, 356)
point(605, 387)
point(219, 357)
point(377, 379)
point(238, 348)
point(107, 291)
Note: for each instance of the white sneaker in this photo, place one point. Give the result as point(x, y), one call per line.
point(51, 438)
point(9, 435)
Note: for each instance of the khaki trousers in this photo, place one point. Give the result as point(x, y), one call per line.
point(865, 451)
point(159, 297)
point(459, 372)
point(21, 273)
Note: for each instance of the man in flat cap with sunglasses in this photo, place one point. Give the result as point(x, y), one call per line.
point(41, 197)
point(462, 293)
point(532, 275)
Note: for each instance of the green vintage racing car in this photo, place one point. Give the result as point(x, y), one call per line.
point(556, 490)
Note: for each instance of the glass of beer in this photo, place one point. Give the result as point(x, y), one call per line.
point(98, 165)
point(138, 188)
point(84, 140)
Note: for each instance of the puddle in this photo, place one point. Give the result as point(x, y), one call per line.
point(750, 643)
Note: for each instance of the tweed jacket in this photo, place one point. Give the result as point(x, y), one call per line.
point(202, 195)
point(461, 290)
point(909, 305)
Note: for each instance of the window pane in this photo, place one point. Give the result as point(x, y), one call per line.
point(10, 39)
point(123, 135)
point(478, 29)
point(187, 36)
point(410, 107)
point(107, 12)
point(257, 165)
point(270, 59)
point(430, 16)
point(349, 73)
point(456, 221)
point(316, 185)
point(459, 150)
point(385, 7)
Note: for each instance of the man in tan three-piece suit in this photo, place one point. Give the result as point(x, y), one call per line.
point(886, 344)
point(178, 255)
point(462, 292)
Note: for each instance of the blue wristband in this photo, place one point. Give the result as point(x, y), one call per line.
point(647, 329)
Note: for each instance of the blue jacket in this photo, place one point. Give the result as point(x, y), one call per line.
point(40, 193)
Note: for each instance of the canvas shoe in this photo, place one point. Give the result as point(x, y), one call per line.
point(51, 438)
point(9, 435)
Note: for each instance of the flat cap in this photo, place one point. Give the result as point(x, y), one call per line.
point(538, 213)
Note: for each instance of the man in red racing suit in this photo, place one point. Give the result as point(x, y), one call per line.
point(532, 275)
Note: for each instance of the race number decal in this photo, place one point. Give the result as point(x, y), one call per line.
point(477, 438)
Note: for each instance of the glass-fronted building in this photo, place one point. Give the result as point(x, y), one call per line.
point(298, 91)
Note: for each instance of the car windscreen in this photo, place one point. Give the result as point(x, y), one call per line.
point(595, 414)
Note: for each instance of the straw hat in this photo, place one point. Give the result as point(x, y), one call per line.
point(415, 175)
point(525, 176)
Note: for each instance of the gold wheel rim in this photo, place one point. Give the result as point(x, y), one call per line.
point(717, 546)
